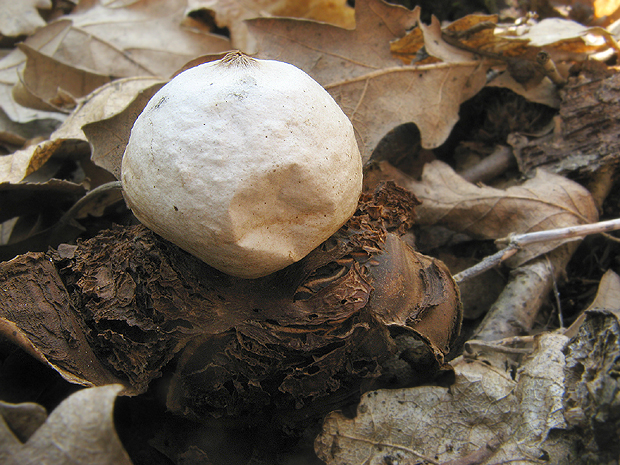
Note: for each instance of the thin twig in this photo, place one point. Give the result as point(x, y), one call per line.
point(582, 230)
point(518, 241)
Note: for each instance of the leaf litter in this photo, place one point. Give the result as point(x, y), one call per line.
point(81, 77)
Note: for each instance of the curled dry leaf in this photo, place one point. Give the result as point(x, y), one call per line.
point(362, 310)
point(28, 219)
point(510, 48)
point(546, 201)
point(79, 430)
point(607, 296)
point(91, 46)
point(16, 166)
point(109, 134)
point(105, 102)
point(561, 38)
point(485, 414)
point(51, 331)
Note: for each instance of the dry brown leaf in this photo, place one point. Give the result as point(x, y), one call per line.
point(485, 412)
point(608, 294)
point(547, 201)
point(375, 91)
point(233, 13)
point(436, 46)
point(148, 34)
point(79, 431)
point(21, 17)
point(145, 38)
point(14, 134)
point(545, 92)
point(333, 54)
point(18, 165)
point(406, 48)
point(429, 96)
point(535, 89)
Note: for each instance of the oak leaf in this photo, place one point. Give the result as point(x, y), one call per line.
point(374, 89)
point(485, 414)
point(547, 201)
point(330, 53)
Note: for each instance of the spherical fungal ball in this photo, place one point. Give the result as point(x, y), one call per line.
point(247, 164)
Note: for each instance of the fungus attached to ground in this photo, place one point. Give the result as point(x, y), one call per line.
point(246, 164)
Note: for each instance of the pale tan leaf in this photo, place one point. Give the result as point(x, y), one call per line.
point(437, 47)
point(13, 63)
point(407, 47)
point(18, 134)
point(104, 103)
point(21, 17)
point(336, 12)
point(79, 431)
point(608, 294)
point(547, 201)
point(484, 410)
